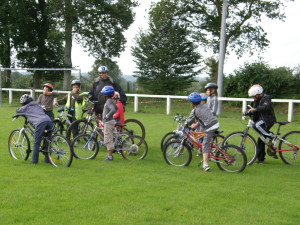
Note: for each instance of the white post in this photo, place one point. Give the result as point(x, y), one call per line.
point(290, 111)
point(136, 103)
point(244, 109)
point(10, 96)
point(168, 105)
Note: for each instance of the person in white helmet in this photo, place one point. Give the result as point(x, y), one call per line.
point(264, 118)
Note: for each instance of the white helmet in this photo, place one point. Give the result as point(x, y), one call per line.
point(256, 89)
point(25, 99)
point(102, 69)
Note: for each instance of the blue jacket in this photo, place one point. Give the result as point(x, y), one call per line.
point(34, 113)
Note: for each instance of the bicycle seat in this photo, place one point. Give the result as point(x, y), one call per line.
point(219, 132)
point(120, 125)
point(282, 123)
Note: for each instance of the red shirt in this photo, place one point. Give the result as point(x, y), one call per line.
point(119, 115)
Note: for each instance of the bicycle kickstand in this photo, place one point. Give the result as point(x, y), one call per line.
point(199, 163)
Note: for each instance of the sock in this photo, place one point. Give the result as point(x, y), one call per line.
point(205, 164)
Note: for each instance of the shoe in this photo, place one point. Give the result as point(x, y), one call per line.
point(260, 162)
point(206, 168)
point(108, 159)
point(272, 154)
point(33, 163)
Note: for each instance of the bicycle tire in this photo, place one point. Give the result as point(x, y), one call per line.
point(134, 148)
point(177, 154)
point(134, 128)
point(249, 146)
point(237, 162)
point(85, 147)
point(19, 149)
point(58, 127)
point(83, 126)
point(175, 137)
point(218, 139)
point(59, 151)
point(164, 138)
point(290, 157)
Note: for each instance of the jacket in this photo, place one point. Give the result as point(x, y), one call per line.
point(264, 110)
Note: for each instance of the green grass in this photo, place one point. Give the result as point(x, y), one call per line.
point(147, 191)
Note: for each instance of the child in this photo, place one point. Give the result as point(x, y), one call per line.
point(208, 122)
point(39, 120)
point(74, 102)
point(46, 99)
point(109, 110)
point(212, 99)
point(119, 115)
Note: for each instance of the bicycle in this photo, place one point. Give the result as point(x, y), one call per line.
point(131, 147)
point(229, 158)
point(177, 134)
point(62, 122)
point(58, 151)
point(288, 147)
point(133, 126)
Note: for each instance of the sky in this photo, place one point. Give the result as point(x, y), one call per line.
point(283, 50)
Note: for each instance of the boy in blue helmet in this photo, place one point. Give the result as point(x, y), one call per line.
point(109, 122)
point(209, 124)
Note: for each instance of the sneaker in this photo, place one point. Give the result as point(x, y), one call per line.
point(260, 162)
point(206, 168)
point(108, 159)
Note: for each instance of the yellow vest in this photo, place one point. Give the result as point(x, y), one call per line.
point(78, 106)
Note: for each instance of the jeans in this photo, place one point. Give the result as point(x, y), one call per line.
point(38, 136)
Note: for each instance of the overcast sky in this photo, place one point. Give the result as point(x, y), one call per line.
point(284, 48)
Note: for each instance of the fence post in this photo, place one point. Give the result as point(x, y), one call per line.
point(10, 96)
point(168, 105)
point(290, 111)
point(136, 103)
point(244, 109)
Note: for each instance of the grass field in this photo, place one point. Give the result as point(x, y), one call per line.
point(147, 191)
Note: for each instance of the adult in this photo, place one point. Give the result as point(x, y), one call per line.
point(264, 118)
point(104, 80)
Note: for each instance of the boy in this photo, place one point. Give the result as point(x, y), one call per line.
point(208, 122)
point(46, 99)
point(109, 110)
point(39, 120)
point(212, 97)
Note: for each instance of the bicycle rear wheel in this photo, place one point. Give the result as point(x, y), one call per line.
point(165, 138)
point(177, 154)
point(134, 128)
point(19, 145)
point(58, 127)
point(231, 159)
point(59, 151)
point(292, 156)
point(79, 127)
point(134, 148)
point(247, 144)
point(85, 147)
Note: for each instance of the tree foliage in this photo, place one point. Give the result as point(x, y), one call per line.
point(164, 55)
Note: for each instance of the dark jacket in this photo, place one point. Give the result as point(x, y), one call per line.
point(95, 92)
point(264, 110)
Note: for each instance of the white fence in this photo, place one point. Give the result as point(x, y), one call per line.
point(168, 98)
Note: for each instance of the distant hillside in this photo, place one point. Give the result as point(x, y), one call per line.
point(133, 79)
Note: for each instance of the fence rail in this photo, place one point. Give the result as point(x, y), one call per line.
point(168, 98)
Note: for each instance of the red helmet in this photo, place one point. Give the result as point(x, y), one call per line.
point(49, 86)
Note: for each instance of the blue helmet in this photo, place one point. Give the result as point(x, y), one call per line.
point(194, 97)
point(108, 91)
point(102, 69)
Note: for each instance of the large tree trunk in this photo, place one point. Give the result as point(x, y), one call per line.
point(68, 44)
point(6, 63)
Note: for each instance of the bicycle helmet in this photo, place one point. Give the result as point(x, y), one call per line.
point(256, 89)
point(203, 97)
point(194, 97)
point(116, 95)
point(75, 82)
point(49, 86)
point(25, 99)
point(102, 69)
point(108, 91)
point(211, 85)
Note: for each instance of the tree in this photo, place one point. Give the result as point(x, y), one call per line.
point(164, 55)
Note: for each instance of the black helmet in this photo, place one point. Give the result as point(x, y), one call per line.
point(211, 85)
point(77, 82)
point(25, 99)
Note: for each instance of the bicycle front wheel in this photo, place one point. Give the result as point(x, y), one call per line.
point(134, 148)
point(231, 159)
point(59, 151)
point(247, 144)
point(85, 147)
point(19, 145)
point(165, 138)
point(79, 127)
point(288, 155)
point(177, 154)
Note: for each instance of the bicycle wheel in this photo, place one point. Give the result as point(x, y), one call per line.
point(85, 147)
point(166, 137)
point(79, 127)
point(19, 145)
point(218, 139)
point(58, 127)
point(134, 148)
point(175, 137)
point(291, 156)
point(60, 151)
point(134, 127)
point(177, 154)
point(231, 159)
point(247, 144)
